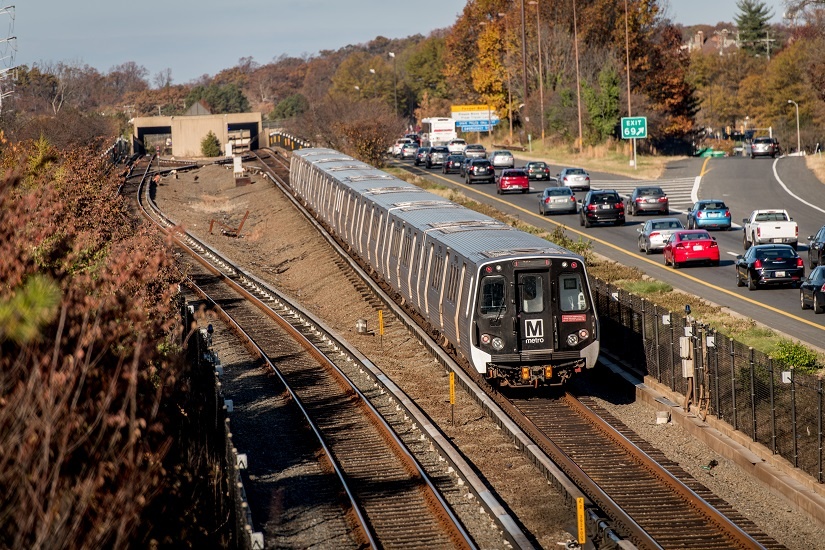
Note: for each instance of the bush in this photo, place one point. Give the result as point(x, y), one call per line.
point(795, 354)
point(210, 146)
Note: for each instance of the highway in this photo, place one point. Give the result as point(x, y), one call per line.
point(744, 184)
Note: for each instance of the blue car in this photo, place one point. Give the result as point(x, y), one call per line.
point(709, 214)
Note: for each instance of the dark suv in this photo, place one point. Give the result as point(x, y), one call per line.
point(480, 170)
point(601, 206)
point(764, 147)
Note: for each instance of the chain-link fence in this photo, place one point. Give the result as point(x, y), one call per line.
point(755, 394)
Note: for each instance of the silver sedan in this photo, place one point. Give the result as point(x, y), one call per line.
point(654, 233)
point(557, 199)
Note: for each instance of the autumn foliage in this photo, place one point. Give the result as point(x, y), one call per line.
point(88, 339)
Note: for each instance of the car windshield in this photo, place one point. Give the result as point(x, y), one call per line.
point(575, 171)
point(775, 254)
point(513, 173)
point(651, 191)
point(712, 206)
point(604, 198)
point(672, 224)
point(537, 165)
point(695, 236)
point(559, 191)
point(771, 217)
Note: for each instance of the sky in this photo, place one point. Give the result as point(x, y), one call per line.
point(204, 37)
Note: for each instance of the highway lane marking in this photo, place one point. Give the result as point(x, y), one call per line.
point(588, 236)
point(788, 191)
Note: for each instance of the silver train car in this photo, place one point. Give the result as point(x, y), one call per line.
point(516, 306)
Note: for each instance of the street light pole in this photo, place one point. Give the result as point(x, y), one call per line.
point(798, 141)
point(541, 73)
point(394, 83)
point(523, 54)
point(578, 85)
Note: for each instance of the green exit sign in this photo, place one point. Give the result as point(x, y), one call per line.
point(634, 127)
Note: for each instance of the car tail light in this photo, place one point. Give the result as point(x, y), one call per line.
point(799, 263)
point(797, 231)
point(714, 244)
point(654, 234)
point(757, 264)
point(727, 214)
point(591, 206)
point(662, 199)
point(639, 199)
point(573, 199)
point(758, 231)
point(681, 245)
point(620, 206)
point(822, 289)
point(547, 200)
point(565, 179)
point(587, 179)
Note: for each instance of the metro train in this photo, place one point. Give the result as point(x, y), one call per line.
point(517, 307)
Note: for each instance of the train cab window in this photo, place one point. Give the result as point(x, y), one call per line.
point(492, 295)
point(571, 292)
point(532, 294)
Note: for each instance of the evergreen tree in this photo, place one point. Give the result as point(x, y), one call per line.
point(753, 26)
point(210, 146)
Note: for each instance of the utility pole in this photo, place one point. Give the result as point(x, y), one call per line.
point(578, 84)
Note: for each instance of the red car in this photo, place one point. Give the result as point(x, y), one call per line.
point(513, 180)
point(691, 246)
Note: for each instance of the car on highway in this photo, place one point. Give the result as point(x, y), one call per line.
point(601, 206)
point(812, 290)
point(479, 170)
point(415, 138)
point(816, 248)
point(654, 233)
point(537, 170)
point(452, 164)
point(436, 156)
point(457, 146)
point(690, 246)
point(409, 151)
point(464, 165)
point(557, 199)
point(574, 178)
point(514, 179)
point(648, 198)
point(769, 264)
point(709, 214)
point(475, 150)
point(764, 146)
point(421, 155)
point(502, 159)
point(395, 150)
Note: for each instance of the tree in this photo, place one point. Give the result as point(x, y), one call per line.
point(293, 105)
point(603, 104)
point(752, 21)
point(221, 98)
point(210, 146)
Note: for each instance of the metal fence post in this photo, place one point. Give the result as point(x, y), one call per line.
point(752, 365)
point(819, 426)
point(793, 421)
point(715, 376)
point(773, 408)
point(656, 342)
point(672, 362)
point(733, 383)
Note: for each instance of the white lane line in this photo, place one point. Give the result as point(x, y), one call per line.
point(785, 187)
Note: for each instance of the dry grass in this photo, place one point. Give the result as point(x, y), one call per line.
point(816, 164)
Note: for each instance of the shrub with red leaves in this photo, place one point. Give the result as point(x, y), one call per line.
point(88, 337)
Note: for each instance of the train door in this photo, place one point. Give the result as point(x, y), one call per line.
point(534, 323)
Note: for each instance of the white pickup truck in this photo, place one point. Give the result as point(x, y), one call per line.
point(769, 226)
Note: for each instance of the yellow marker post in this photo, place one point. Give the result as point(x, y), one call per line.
point(381, 328)
point(580, 521)
point(452, 398)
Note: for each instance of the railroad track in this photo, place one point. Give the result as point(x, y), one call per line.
point(394, 496)
point(647, 504)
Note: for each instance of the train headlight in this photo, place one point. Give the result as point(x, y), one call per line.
point(498, 344)
point(485, 339)
point(583, 334)
point(572, 340)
